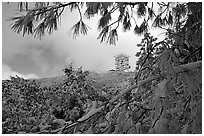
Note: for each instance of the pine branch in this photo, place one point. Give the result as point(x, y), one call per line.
point(113, 9)
point(132, 11)
point(193, 53)
point(79, 12)
point(61, 12)
point(51, 8)
point(177, 35)
point(80, 120)
point(177, 69)
point(115, 22)
point(195, 24)
point(117, 25)
point(132, 3)
point(140, 69)
point(133, 87)
point(188, 66)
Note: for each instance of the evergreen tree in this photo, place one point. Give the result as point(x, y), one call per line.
point(167, 95)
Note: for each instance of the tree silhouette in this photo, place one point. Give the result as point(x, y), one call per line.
point(175, 17)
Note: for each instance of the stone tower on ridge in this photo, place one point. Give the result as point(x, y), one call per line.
point(122, 62)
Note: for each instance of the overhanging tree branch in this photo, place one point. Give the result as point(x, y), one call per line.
point(177, 35)
point(114, 22)
point(60, 12)
point(177, 69)
point(51, 8)
point(79, 12)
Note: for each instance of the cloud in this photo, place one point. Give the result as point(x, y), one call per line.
point(7, 72)
point(47, 57)
point(44, 59)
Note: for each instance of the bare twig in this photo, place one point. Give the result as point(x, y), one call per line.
point(113, 9)
point(115, 22)
point(158, 118)
point(79, 12)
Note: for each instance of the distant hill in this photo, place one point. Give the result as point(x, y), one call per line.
point(98, 80)
point(49, 82)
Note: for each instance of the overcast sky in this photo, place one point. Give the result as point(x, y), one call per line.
point(32, 58)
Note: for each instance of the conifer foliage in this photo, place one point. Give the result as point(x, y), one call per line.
point(165, 96)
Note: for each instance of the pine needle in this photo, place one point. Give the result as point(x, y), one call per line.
point(103, 34)
point(126, 24)
point(79, 27)
point(151, 13)
point(141, 11)
point(23, 23)
point(104, 20)
point(142, 29)
point(40, 30)
point(113, 37)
